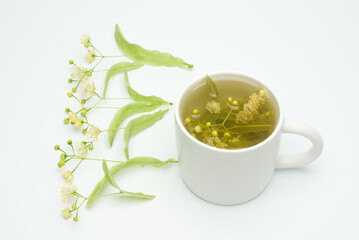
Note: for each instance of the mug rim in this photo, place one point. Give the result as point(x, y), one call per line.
point(196, 141)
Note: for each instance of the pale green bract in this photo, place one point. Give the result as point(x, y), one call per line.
point(139, 124)
point(141, 161)
point(141, 98)
point(149, 57)
point(125, 112)
point(212, 87)
point(119, 68)
point(108, 177)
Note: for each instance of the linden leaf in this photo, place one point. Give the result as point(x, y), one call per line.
point(141, 98)
point(136, 161)
point(213, 92)
point(149, 57)
point(125, 112)
point(139, 124)
point(119, 68)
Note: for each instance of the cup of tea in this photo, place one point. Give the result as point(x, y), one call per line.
point(228, 131)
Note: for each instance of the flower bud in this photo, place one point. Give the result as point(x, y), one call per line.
point(66, 121)
point(74, 206)
point(61, 163)
point(67, 110)
point(57, 147)
point(208, 124)
point(214, 133)
point(76, 219)
point(90, 147)
point(84, 131)
point(227, 134)
point(63, 156)
point(71, 62)
point(89, 74)
point(235, 103)
point(70, 80)
point(83, 112)
point(195, 111)
point(229, 99)
point(69, 94)
point(83, 101)
point(74, 90)
point(69, 142)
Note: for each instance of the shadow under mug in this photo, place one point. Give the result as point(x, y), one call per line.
point(230, 177)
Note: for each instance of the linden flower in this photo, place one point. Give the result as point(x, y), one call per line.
point(67, 192)
point(90, 56)
point(78, 123)
point(79, 73)
point(93, 132)
point(213, 107)
point(73, 117)
point(85, 40)
point(87, 89)
point(67, 176)
point(81, 149)
point(251, 108)
point(215, 142)
point(66, 213)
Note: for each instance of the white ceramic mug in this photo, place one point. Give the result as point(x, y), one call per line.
point(230, 177)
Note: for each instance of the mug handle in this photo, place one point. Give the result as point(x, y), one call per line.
point(300, 159)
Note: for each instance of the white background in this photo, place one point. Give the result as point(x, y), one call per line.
point(307, 51)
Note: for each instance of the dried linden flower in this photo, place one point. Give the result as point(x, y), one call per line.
point(213, 107)
point(198, 129)
point(251, 108)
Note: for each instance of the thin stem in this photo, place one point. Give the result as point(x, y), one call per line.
point(111, 194)
point(110, 130)
point(113, 56)
point(97, 159)
point(115, 98)
point(107, 107)
point(77, 165)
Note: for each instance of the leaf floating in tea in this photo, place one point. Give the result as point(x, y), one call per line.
point(119, 68)
point(136, 161)
point(212, 88)
point(139, 124)
point(125, 112)
point(140, 98)
point(149, 57)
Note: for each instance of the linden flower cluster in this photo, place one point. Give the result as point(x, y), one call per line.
point(69, 190)
point(82, 91)
point(251, 108)
point(224, 124)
